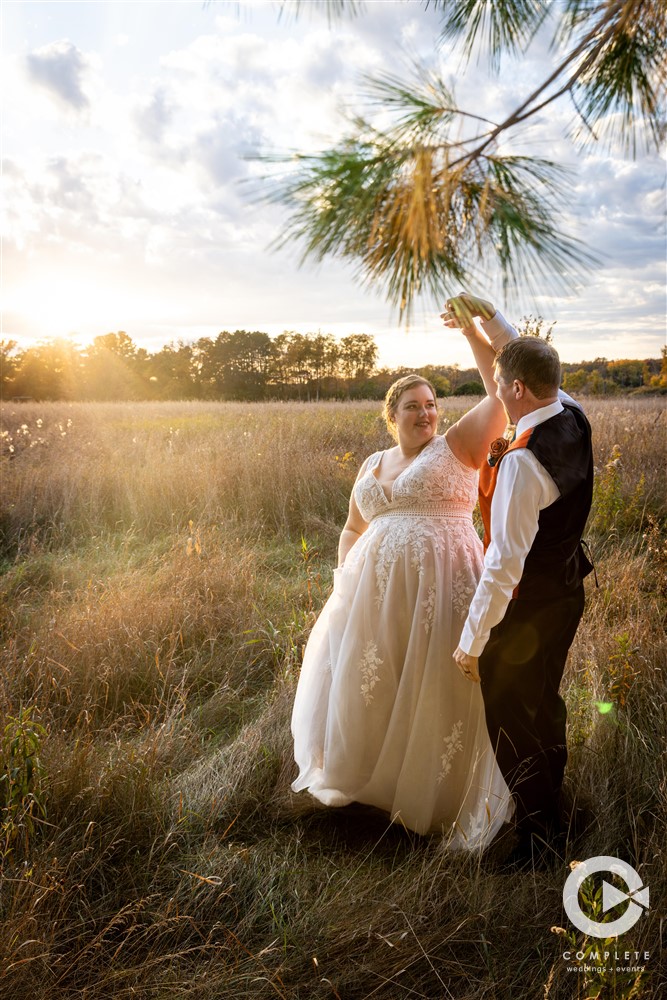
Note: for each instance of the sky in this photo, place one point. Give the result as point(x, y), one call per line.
point(130, 132)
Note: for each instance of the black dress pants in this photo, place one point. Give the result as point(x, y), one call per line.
point(521, 669)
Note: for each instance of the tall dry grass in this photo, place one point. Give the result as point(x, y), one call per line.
point(151, 468)
point(163, 564)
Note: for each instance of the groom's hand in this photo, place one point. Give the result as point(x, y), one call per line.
point(461, 311)
point(467, 664)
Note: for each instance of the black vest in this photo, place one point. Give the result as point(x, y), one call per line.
point(556, 562)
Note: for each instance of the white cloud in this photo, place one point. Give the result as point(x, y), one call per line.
point(61, 68)
point(155, 114)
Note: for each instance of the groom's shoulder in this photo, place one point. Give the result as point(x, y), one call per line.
point(569, 427)
point(558, 436)
point(562, 444)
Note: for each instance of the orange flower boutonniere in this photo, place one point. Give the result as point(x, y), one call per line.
point(499, 446)
point(497, 449)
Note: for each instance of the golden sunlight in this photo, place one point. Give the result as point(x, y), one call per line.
point(48, 306)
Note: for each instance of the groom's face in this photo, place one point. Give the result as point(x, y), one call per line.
point(506, 394)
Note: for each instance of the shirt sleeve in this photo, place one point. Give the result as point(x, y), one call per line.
point(499, 331)
point(523, 489)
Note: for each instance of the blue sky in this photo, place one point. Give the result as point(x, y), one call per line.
point(125, 131)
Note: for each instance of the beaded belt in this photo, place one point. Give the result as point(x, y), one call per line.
point(460, 511)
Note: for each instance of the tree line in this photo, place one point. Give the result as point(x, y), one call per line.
point(251, 365)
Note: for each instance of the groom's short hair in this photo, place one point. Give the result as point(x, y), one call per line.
point(532, 361)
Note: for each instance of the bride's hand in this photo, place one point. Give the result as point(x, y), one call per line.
point(460, 312)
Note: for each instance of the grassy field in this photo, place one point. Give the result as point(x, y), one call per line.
point(162, 565)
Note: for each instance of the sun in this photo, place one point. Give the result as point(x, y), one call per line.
point(55, 305)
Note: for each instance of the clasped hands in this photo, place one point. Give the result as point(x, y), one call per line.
point(460, 312)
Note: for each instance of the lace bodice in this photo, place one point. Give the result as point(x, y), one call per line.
point(434, 482)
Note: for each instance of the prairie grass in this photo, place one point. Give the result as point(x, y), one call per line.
point(162, 567)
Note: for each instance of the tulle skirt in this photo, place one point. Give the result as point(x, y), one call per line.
point(382, 715)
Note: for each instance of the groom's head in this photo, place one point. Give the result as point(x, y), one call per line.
point(527, 375)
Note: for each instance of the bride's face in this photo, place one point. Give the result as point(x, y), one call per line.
point(416, 416)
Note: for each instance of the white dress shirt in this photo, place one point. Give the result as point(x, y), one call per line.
point(499, 331)
point(523, 489)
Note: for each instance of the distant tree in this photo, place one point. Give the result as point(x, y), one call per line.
point(438, 380)
point(441, 384)
point(358, 355)
point(240, 364)
point(291, 369)
point(376, 386)
point(111, 371)
point(120, 344)
point(659, 381)
point(471, 388)
point(626, 373)
point(49, 371)
point(10, 364)
point(306, 364)
point(205, 368)
point(574, 382)
point(597, 385)
point(323, 358)
point(171, 372)
point(251, 365)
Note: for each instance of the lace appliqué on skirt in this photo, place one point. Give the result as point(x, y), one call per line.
point(453, 745)
point(370, 662)
point(428, 604)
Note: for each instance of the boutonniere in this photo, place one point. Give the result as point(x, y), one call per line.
point(499, 446)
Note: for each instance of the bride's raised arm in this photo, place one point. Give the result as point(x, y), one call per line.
point(469, 437)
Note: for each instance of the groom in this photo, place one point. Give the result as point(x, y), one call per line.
point(535, 496)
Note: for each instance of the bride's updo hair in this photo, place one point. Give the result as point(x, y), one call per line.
point(394, 393)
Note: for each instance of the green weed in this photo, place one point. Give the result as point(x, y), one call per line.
point(22, 783)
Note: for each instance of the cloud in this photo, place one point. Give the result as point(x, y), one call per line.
point(153, 117)
point(622, 205)
point(221, 147)
point(60, 68)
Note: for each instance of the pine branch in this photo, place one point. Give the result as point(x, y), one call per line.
point(526, 110)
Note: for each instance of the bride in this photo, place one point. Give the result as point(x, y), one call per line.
point(382, 715)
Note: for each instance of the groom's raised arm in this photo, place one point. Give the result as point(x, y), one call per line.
point(499, 330)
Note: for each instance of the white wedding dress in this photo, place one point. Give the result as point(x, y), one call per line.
point(382, 714)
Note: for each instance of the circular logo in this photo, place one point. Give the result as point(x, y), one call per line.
point(636, 897)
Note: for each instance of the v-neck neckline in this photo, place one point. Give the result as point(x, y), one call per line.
point(390, 500)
